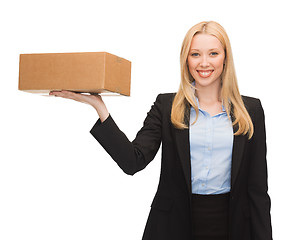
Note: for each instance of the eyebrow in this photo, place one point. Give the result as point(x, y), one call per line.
point(209, 49)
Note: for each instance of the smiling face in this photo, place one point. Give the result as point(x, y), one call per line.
point(205, 60)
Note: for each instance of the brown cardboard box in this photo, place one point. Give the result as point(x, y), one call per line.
point(90, 72)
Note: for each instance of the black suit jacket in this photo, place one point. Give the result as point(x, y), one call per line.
point(170, 214)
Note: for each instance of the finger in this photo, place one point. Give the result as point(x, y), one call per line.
point(64, 94)
point(88, 99)
point(68, 94)
point(56, 93)
point(53, 93)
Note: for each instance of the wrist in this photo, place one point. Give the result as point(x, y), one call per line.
point(102, 111)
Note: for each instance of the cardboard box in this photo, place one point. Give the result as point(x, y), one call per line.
point(90, 72)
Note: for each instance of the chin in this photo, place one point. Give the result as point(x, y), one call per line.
point(205, 82)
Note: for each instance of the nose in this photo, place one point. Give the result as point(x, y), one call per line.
point(204, 62)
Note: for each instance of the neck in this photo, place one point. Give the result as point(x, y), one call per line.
point(209, 94)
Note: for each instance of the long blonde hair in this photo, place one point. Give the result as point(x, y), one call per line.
point(230, 95)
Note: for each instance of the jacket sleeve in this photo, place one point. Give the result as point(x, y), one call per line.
point(259, 199)
point(133, 156)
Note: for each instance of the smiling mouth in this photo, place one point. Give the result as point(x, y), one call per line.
point(205, 74)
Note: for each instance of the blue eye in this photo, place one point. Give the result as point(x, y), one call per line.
point(194, 54)
point(214, 53)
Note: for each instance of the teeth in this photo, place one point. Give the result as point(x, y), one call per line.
point(205, 73)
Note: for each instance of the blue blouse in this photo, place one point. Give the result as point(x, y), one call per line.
point(211, 146)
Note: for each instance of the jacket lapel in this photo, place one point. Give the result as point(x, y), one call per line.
point(237, 153)
point(183, 149)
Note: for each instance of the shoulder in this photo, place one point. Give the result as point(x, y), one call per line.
point(250, 102)
point(166, 96)
point(163, 103)
point(253, 105)
point(165, 99)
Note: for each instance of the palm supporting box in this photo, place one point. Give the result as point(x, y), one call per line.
point(90, 72)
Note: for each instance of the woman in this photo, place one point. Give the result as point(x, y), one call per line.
point(213, 182)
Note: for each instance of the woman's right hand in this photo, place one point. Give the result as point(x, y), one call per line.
point(95, 101)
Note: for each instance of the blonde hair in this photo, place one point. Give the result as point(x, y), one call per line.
point(230, 95)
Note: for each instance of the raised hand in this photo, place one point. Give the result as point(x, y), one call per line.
point(94, 100)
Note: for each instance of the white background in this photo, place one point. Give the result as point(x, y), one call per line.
point(56, 181)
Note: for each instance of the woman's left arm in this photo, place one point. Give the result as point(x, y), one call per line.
point(259, 200)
